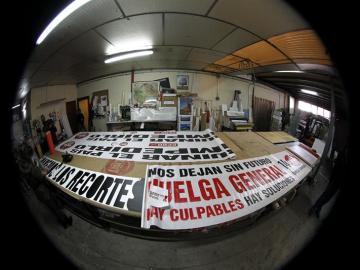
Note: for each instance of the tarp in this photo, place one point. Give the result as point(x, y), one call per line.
point(194, 196)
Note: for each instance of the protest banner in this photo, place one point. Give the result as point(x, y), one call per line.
point(194, 196)
point(101, 189)
point(182, 146)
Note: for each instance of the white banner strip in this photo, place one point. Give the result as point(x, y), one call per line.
point(182, 146)
point(99, 188)
point(206, 195)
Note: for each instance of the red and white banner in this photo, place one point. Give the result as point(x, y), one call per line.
point(176, 146)
point(194, 196)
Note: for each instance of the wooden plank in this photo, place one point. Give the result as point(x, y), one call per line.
point(251, 144)
point(277, 136)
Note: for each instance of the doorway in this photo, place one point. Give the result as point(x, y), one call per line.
point(263, 110)
point(83, 105)
point(71, 115)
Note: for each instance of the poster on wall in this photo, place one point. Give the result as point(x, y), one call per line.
point(182, 82)
point(101, 189)
point(149, 146)
point(195, 196)
point(145, 93)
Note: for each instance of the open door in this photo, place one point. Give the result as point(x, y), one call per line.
point(83, 104)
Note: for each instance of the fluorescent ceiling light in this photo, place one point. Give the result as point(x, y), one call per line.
point(309, 92)
point(14, 107)
point(290, 71)
point(60, 17)
point(122, 49)
point(128, 55)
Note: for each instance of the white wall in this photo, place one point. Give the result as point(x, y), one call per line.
point(49, 93)
point(204, 84)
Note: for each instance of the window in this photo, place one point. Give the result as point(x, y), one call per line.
point(307, 107)
point(291, 105)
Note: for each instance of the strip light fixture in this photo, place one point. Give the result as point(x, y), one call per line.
point(60, 17)
point(128, 55)
point(16, 106)
point(309, 92)
point(290, 71)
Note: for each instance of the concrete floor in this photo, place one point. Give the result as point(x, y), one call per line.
point(269, 244)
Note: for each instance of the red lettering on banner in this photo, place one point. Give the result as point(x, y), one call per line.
point(269, 173)
point(245, 180)
point(254, 178)
point(226, 210)
point(238, 186)
point(218, 209)
point(209, 211)
point(200, 210)
point(154, 211)
point(184, 214)
point(172, 214)
point(192, 197)
point(206, 192)
point(232, 206)
point(220, 188)
point(191, 214)
point(262, 175)
point(277, 170)
point(178, 191)
point(240, 205)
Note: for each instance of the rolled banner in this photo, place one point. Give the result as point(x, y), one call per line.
point(50, 142)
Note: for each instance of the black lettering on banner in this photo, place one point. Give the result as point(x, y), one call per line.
point(96, 154)
point(215, 149)
point(153, 150)
point(57, 179)
point(123, 192)
point(80, 146)
point(75, 186)
point(103, 148)
point(103, 190)
point(84, 186)
point(170, 173)
point(116, 149)
point(73, 180)
point(94, 187)
point(63, 181)
point(131, 150)
point(151, 157)
point(152, 171)
point(117, 181)
point(179, 151)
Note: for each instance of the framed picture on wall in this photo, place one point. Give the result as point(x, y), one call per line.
point(182, 82)
point(145, 93)
point(99, 103)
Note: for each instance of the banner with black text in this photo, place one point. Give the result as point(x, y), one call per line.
point(154, 146)
point(101, 189)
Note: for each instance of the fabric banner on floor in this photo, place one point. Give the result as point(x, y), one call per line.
point(161, 146)
point(98, 188)
point(194, 196)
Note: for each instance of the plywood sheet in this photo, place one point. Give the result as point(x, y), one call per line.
point(251, 144)
point(277, 136)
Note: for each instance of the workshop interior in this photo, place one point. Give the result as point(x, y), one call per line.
point(162, 134)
